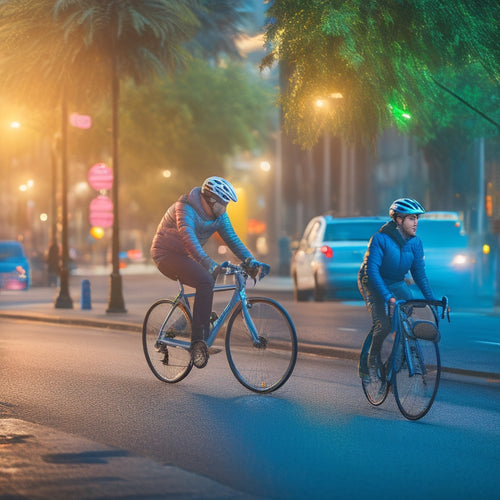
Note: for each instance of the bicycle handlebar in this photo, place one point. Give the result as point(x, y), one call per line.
point(229, 268)
point(443, 303)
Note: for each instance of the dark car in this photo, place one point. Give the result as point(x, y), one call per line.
point(14, 266)
point(330, 254)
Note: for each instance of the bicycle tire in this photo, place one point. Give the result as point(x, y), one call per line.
point(415, 394)
point(266, 367)
point(376, 386)
point(168, 363)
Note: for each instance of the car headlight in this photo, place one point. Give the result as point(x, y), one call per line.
point(460, 260)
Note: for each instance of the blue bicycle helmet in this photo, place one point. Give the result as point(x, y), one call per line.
point(405, 206)
point(220, 188)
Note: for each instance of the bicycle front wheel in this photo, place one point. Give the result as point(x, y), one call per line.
point(415, 393)
point(266, 365)
point(375, 385)
point(167, 323)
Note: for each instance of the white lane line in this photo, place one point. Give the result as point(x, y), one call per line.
point(487, 342)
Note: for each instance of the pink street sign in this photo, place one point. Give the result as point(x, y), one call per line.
point(100, 177)
point(80, 121)
point(101, 212)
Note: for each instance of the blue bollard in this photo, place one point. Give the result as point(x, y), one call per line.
point(85, 299)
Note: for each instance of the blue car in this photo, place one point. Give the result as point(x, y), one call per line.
point(14, 266)
point(449, 259)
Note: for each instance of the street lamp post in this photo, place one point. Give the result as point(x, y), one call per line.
point(116, 303)
point(63, 300)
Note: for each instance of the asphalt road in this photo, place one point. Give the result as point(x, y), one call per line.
point(317, 437)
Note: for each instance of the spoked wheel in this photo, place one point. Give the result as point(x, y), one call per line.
point(376, 386)
point(266, 365)
point(415, 393)
point(165, 321)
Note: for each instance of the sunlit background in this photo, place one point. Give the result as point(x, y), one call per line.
point(175, 131)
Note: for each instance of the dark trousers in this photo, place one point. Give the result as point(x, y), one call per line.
point(381, 322)
point(193, 274)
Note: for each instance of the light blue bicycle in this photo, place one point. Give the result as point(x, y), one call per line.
point(260, 338)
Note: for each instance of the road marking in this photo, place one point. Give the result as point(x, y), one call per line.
point(487, 342)
point(348, 329)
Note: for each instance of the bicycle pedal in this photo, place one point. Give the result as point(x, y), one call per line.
point(199, 354)
point(165, 358)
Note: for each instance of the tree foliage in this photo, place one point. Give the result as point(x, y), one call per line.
point(81, 49)
point(187, 123)
point(383, 57)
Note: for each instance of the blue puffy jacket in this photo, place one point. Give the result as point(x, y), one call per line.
point(389, 257)
point(186, 227)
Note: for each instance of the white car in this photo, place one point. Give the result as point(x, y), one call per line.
point(330, 254)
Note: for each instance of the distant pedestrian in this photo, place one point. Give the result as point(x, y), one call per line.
point(53, 265)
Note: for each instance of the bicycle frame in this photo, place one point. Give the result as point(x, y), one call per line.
point(402, 339)
point(239, 295)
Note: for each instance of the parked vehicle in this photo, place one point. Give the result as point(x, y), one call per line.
point(330, 254)
point(14, 266)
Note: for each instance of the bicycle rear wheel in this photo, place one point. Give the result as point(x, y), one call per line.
point(267, 365)
point(376, 386)
point(163, 321)
point(415, 393)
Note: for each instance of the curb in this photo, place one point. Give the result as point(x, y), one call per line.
point(304, 347)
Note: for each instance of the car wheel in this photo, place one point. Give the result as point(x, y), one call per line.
point(300, 295)
point(319, 291)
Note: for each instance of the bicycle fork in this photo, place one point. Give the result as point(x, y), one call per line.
point(414, 358)
point(258, 342)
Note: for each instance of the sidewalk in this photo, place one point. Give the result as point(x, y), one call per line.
point(142, 285)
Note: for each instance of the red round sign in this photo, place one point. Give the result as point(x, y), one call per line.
point(100, 177)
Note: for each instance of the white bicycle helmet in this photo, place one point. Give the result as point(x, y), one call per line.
point(405, 206)
point(219, 187)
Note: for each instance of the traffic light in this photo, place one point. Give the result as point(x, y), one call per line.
point(489, 205)
point(401, 115)
point(488, 201)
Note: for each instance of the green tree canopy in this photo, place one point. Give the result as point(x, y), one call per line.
point(382, 57)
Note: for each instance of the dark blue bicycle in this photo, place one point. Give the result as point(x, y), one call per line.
point(409, 360)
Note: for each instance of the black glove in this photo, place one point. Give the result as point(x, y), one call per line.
point(252, 267)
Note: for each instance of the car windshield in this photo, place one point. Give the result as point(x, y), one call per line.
point(352, 231)
point(441, 233)
point(9, 251)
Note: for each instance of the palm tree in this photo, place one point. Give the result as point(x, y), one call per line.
point(68, 49)
point(35, 74)
point(73, 49)
point(124, 39)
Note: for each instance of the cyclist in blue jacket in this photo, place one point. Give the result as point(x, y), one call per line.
point(177, 250)
point(393, 251)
